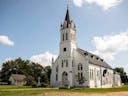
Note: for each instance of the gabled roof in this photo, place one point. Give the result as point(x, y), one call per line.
point(94, 59)
point(18, 77)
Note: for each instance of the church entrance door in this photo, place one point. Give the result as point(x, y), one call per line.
point(65, 81)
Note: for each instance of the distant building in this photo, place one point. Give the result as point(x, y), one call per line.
point(17, 79)
point(79, 68)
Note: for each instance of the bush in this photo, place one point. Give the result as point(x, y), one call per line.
point(125, 83)
point(72, 87)
point(63, 87)
point(34, 84)
point(44, 85)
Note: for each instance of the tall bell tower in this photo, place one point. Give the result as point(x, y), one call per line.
point(68, 36)
point(62, 68)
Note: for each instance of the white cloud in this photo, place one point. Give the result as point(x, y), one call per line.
point(78, 2)
point(7, 59)
point(105, 4)
point(44, 59)
point(5, 40)
point(109, 46)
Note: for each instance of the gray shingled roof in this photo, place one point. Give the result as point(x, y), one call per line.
point(18, 77)
point(94, 59)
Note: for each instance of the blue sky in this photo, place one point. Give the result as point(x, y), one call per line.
point(31, 29)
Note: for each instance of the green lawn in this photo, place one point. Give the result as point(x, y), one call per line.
point(28, 91)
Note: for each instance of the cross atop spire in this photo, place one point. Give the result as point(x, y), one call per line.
point(67, 4)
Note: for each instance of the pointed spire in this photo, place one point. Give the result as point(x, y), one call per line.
point(67, 17)
point(68, 23)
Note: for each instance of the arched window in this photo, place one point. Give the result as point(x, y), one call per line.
point(62, 64)
point(78, 75)
point(66, 36)
point(72, 64)
point(81, 74)
point(56, 68)
point(66, 63)
point(56, 77)
point(89, 73)
point(92, 74)
point(80, 67)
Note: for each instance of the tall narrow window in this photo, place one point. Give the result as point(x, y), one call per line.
point(90, 74)
point(72, 63)
point(56, 77)
point(62, 64)
point(66, 36)
point(78, 75)
point(57, 69)
point(81, 75)
point(80, 67)
point(63, 37)
point(66, 63)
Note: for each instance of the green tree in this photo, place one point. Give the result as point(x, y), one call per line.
point(47, 70)
point(0, 75)
point(124, 77)
point(30, 69)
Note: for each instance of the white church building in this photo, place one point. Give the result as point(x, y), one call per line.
point(76, 67)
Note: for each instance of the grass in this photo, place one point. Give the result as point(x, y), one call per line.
point(6, 90)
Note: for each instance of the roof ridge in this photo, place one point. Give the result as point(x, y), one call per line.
point(94, 61)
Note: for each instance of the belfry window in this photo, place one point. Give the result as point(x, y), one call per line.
point(63, 37)
point(62, 64)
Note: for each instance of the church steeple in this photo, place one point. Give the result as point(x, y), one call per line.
point(68, 23)
point(67, 36)
point(67, 17)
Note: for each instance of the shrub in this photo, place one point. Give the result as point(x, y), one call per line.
point(34, 84)
point(44, 85)
point(72, 87)
point(63, 87)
